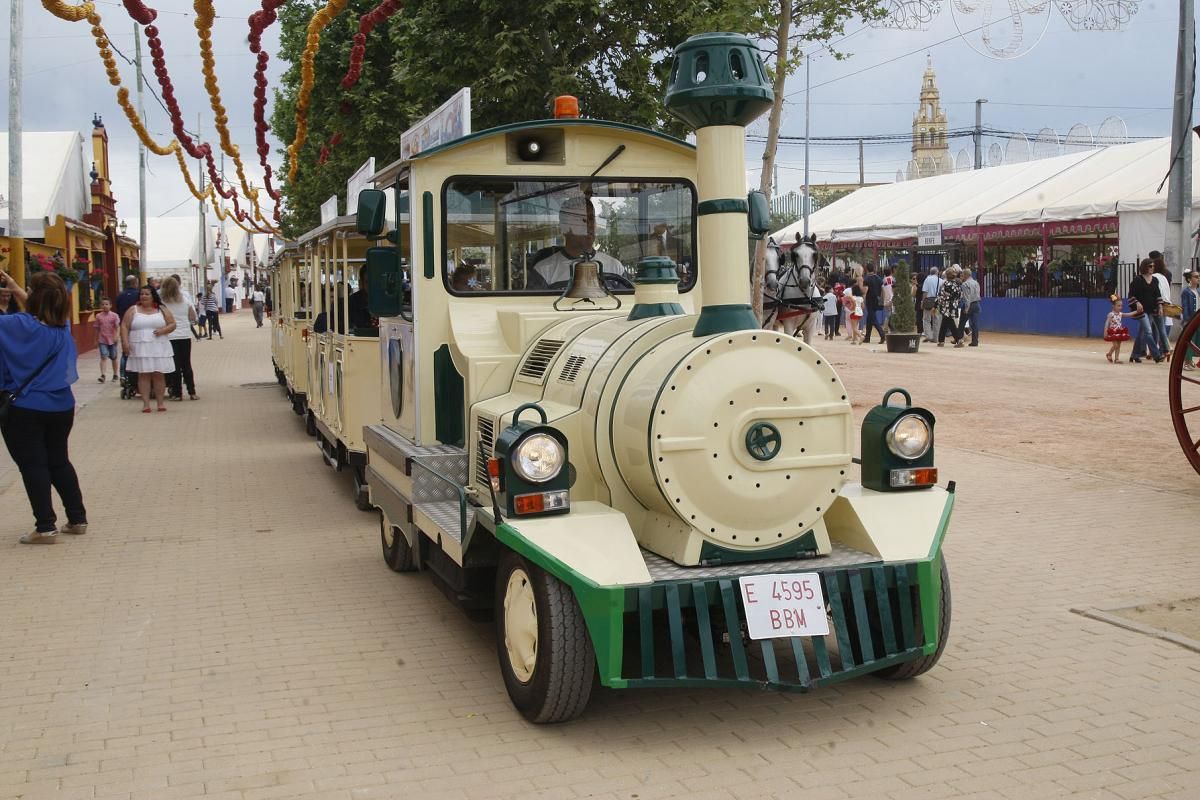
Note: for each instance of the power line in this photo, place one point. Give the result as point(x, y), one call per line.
point(919, 50)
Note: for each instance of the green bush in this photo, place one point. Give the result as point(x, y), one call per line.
point(904, 315)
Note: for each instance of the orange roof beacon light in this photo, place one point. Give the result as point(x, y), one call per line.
point(566, 107)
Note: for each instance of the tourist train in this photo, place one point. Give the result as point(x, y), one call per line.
point(582, 429)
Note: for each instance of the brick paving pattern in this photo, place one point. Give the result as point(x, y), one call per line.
point(227, 628)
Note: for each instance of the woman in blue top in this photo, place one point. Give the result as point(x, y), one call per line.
point(40, 418)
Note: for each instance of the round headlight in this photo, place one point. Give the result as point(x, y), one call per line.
point(910, 437)
point(538, 458)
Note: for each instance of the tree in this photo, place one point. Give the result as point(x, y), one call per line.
point(516, 57)
point(790, 30)
point(904, 313)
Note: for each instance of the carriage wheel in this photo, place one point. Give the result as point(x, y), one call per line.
point(1184, 391)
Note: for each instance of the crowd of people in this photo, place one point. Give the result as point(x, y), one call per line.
point(1150, 306)
point(860, 300)
point(144, 339)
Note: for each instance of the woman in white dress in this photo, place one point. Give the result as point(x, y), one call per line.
point(144, 339)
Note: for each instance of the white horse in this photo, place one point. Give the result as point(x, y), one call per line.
point(791, 291)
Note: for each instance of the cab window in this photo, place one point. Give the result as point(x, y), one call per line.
point(524, 236)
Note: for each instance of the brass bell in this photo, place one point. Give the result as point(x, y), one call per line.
point(585, 287)
point(585, 282)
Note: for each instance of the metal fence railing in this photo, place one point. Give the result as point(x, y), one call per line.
point(1055, 280)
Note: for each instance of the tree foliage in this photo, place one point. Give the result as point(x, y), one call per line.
point(516, 57)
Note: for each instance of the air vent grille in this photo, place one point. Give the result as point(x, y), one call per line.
point(538, 360)
point(485, 437)
point(570, 370)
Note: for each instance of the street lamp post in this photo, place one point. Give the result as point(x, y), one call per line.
point(979, 133)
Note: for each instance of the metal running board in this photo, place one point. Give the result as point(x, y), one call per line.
point(445, 515)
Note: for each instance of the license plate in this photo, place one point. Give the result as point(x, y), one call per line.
point(784, 605)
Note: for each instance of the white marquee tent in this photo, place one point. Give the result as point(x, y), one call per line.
point(54, 181)
point(1119, 181)
point(172, 243)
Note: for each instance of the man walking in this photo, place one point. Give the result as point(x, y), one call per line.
point(970, 297)
point(258, 300)
point(930, 318)
point(873, 289)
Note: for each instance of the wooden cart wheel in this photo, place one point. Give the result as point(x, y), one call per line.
point(1184, 392)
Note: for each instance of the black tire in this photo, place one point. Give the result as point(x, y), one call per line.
point(362, 497)
point(919, 666)
point(397, 553)
point(310, 424)
point(560, 684)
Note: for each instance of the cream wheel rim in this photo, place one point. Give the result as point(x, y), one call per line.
point(520, 625)
point(389, 535)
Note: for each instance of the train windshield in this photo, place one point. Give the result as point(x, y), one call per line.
point(524, 236)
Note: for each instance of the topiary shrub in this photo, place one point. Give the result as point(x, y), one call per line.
point(904, 315)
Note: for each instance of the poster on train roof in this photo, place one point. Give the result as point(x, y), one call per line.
point(451, 120)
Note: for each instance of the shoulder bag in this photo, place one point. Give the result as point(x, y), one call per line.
point(7, 396)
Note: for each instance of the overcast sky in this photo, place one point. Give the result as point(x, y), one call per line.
point(1066, 77)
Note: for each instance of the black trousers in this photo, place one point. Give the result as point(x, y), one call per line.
point(182, 350)
point(214, 323)
point(37, 442)
point(949, 324)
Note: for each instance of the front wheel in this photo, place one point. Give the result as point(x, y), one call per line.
point(919, 666)
point(545, 652)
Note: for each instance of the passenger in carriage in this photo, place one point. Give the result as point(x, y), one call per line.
point(360, 313)
point(463, 279)
point(577, 219)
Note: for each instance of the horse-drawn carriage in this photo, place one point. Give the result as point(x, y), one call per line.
point(1184, 391)
point(641, 484)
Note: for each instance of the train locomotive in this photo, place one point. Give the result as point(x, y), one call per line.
point(583, 431)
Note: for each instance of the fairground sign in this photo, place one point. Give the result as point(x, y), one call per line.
point(452, 120)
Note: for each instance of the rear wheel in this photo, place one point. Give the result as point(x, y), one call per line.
point(310, 424)
point(919, 666)
point(362, 496)
point(396, 551)
point(545, 652)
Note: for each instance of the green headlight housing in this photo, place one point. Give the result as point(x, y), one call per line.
point(897, 446)
point(534, 468)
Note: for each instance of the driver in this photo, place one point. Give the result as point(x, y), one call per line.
point(577, 219)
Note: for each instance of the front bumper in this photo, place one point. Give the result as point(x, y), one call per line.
point(690, 631)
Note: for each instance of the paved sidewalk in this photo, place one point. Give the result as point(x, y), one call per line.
point(227, 628)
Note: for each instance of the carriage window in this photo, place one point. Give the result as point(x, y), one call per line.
point(524, 236)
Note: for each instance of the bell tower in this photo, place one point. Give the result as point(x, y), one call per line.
point(930, 150)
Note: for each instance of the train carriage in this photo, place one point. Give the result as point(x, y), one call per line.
point(584, 430)
point(615, 480)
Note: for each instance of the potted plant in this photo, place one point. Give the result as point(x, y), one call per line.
point(902, 324)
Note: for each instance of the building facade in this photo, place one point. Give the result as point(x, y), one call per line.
point(930, 149)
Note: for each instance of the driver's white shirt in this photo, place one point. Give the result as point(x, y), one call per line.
point(556, 268)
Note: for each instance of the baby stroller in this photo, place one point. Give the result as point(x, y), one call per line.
point(129, 381)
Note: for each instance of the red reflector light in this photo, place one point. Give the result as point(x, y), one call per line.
point(529, 503)
point(566, 107)
point(493, 467)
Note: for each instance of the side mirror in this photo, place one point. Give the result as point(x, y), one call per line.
point(372, 207)
point(385, 282)
point(758, 216)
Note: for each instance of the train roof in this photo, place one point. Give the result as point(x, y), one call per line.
point(388, 174)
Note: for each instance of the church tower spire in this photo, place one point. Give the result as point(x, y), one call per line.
point(930, 150)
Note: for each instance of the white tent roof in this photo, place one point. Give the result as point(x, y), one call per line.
point(54, 181)
point(1116, 179)
point(1093, 183)
point(172, 243)
point(235, 243)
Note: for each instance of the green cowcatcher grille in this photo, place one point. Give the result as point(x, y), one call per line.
point(684, 632)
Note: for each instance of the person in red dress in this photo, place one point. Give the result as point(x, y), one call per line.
point(1114, 331)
